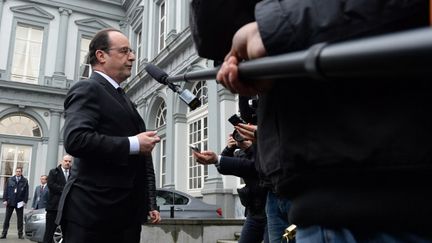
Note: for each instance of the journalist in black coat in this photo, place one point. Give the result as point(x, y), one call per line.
point(112, 186)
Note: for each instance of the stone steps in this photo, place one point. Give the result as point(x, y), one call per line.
point(236, 238)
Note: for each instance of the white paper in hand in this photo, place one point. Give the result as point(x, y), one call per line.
point(20, 204)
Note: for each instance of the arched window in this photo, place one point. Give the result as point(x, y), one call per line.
point(20, 125)
point(16, 155)
point(200, 91)
point(161, 115)
point(161, 121)
point(198, 137)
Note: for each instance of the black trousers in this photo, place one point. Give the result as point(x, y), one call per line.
point(20, 217)
point(50, 226)
point(74, 233)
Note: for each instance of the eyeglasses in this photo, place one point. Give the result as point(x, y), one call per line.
point(123, 50)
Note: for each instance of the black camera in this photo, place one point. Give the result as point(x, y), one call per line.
point(237, 136)
point(235, 120)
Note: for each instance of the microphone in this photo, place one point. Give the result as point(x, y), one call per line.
point(158, 74)
point(161, 77)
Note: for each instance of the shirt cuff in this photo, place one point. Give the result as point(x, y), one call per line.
point(217, 164)
point(134, 145)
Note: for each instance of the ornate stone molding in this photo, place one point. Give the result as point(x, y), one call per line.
point(64, 11)
point(93, 23)
point(32, 10)
point(179, 118)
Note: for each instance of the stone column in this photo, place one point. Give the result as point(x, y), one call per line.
point(214, 180)
point(216, 190)
point(53, 140)
point(59, 77)
point(170, 144)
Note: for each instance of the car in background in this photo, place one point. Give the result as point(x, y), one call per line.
point(35, 227)
point(182, 205)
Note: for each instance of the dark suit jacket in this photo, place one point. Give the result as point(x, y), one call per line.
point(40, 198)
point(108, 188)
point(56, 183)
point(15, 192)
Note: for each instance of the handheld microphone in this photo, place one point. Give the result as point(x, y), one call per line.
point(161, 77)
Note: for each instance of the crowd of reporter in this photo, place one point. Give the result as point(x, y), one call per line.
point(349, 159)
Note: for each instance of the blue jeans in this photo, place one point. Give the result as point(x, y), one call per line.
point(318, 234)
point(277, 217)
point(254, 230)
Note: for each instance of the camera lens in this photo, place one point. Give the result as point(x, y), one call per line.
point(237, 136)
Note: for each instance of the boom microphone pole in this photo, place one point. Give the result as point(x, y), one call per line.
point(397, 55)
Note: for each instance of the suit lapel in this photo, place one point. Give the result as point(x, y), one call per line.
point(130, 108)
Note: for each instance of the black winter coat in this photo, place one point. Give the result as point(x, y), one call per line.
point(252, 195)
point(56, 183)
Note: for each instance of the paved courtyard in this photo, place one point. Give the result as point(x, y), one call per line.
point(12, 236)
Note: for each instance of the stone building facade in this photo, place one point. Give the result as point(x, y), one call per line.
point(44, 47)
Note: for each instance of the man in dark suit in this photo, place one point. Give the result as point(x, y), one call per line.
point(57, 178)
point(15, 197)
point(112, 186)
point(40, 196)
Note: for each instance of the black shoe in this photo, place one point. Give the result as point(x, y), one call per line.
point(3, 237)
point(21, 237)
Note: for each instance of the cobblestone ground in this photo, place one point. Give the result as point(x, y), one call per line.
point(12, 236)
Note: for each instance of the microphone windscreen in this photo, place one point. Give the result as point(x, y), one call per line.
point(157, 73)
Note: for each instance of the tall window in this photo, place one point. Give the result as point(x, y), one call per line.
point(138, 49)
point(161, 115)
point(162, 22)
point(161, 121)
point(85, 68)
point(16, 155)
point(198, 136)
point(200, 91)
point(163, 162)
point(27, 54)
point(20, 125)
point(13, 156)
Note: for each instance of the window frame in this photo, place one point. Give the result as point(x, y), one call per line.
point(199, 114)
point(79, 64)
point(19, 21)
point(162, 162)
point(161, 43)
